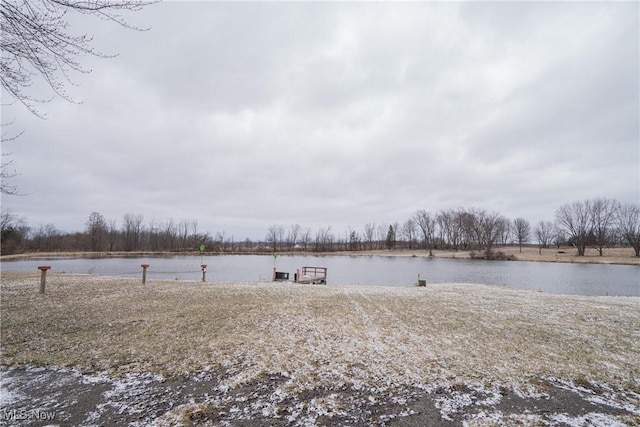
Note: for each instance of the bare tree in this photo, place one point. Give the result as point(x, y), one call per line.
point(324, 239)
point(491, 227)
point(381, 235)
point(113, 233)
point(96, 228)
point(281, 238)
point(353, 239)
point(5, 175)
point(36, 42)
point(427, 223)
point(329, 239)
point(195, 239)
point(369, 232)
point(45, 237)
point(628, 223)
point(13, 233)
point(131, 230)
point(506, 231)
point(275, 235)
point(319, 240)
point(559, 237)
point(305, 238)
point(467, 223)
point(169, 235)
point(409, 232)
point(544, 234)
point(218, 241)
point(449, 225)
point(576, 220)
point(153, 235)
point(603, 212)
point(183, 234)
point(522, 231)
point(292, 237)
point(6, 170)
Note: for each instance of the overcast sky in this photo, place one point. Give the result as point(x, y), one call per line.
point(244, 115)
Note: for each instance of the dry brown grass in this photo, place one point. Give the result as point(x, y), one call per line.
point(567, 254)
point(319, 335)
point(564, 254)
point(615, 255)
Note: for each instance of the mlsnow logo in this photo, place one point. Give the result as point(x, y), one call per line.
point(23, 414)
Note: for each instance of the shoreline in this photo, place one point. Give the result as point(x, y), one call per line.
point(617, 256)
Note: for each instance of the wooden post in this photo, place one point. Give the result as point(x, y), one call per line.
point(204, 271)
point(43, 276)
point(273, 278)
point(144, 273)
point(297, 275)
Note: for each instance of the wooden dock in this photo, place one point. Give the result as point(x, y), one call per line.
point(312, 275)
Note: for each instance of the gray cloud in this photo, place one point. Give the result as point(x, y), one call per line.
point(243, 115)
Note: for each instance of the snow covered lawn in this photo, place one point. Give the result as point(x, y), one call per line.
point(380, 343)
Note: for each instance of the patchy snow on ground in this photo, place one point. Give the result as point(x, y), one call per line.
point(8, 395)
point(591, 419)
point(174, 353)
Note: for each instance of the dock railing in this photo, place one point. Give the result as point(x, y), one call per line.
point(312, 275)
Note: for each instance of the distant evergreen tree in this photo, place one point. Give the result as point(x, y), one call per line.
point(354, 241)
point(391, 238)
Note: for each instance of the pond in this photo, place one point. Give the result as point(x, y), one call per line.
point(560, 278)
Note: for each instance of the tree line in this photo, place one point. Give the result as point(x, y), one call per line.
point(598, 223)
point(101, 235)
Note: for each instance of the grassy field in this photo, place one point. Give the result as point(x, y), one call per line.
point(321, 336)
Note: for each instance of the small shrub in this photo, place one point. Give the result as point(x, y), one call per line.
point(491, 256)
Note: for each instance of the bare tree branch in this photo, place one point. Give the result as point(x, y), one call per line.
point(36, 42)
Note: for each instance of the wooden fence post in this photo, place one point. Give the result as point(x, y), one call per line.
point(144, 273)
point(43, 276)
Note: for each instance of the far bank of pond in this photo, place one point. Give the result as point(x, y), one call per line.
point(616, 255)
point(372, 270)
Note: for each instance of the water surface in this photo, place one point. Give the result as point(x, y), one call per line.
point(562, 278)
